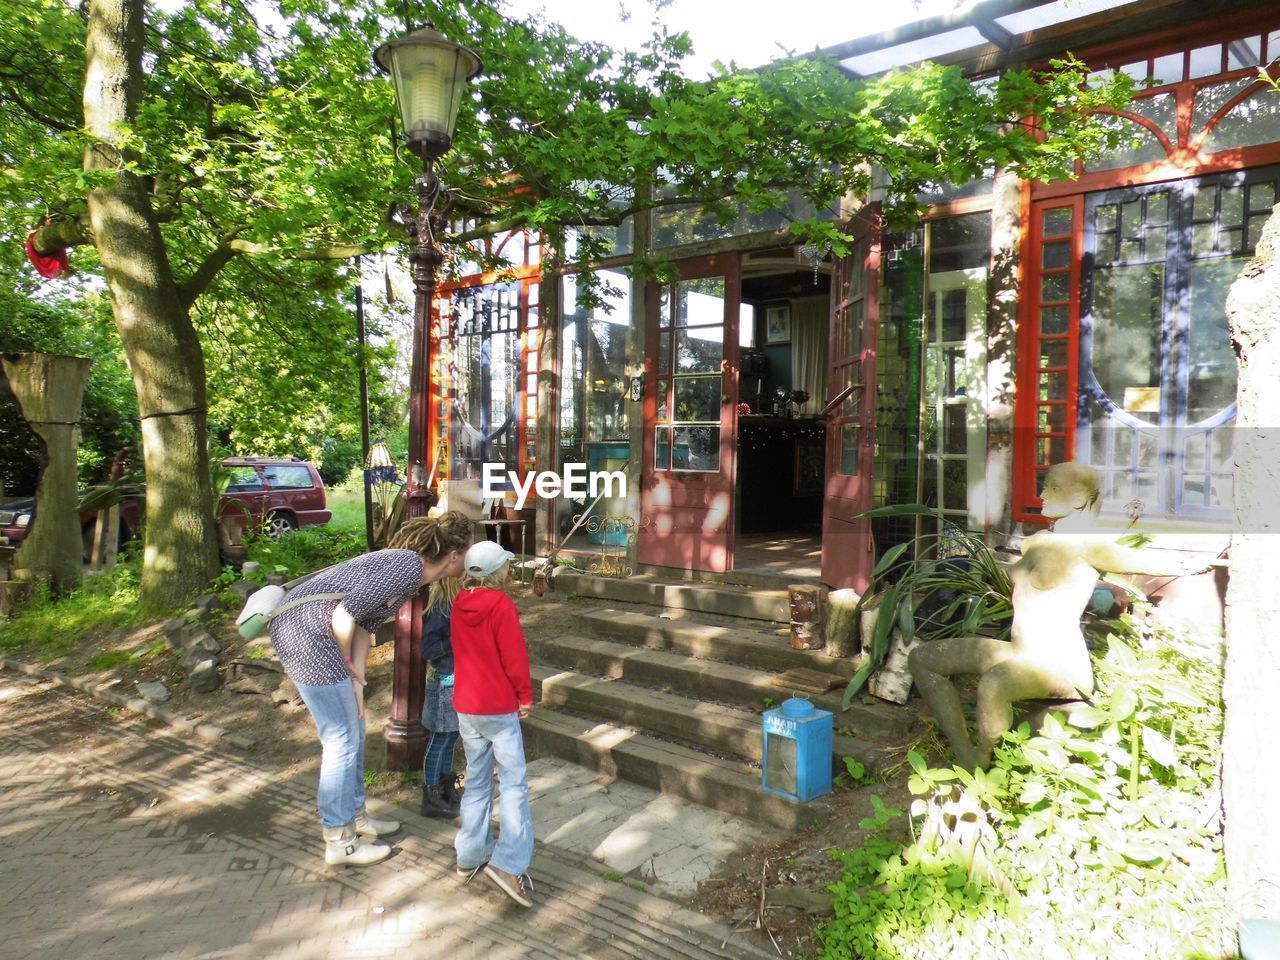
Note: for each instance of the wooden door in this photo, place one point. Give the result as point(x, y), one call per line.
point(690, 417)
point(848, 552)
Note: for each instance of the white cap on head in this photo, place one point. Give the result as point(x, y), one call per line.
point(486, 558)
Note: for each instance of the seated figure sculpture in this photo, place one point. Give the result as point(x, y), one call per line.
point(1046, 656)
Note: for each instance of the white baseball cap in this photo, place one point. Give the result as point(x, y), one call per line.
point(485, 558)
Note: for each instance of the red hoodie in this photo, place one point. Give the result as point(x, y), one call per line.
point(491, 661)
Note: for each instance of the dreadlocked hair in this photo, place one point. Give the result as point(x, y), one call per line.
point(443, 593)
point(433, 537)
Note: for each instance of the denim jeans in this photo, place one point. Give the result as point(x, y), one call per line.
point(341, 729)
point(486, 739)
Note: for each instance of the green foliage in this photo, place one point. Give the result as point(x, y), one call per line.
point(50, 628)
point(1095, 837)
point(337, 459)
point(109, 413)
point(305, 550)
point(967, 594)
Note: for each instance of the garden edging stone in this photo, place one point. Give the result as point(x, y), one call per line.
point(207, 732)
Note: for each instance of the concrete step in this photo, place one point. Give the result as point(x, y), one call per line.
point(621, 752)
point(710, 726)
point(680, 599)
point(757, 648)
point(709, 681)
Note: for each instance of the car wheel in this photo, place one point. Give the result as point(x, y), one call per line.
point(278, 524)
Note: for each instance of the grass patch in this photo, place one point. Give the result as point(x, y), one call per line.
point(109, 660)
point(52, 628)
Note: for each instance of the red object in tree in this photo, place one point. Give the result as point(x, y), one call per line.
point(50, 266)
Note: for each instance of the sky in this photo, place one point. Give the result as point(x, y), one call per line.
point(750, 32)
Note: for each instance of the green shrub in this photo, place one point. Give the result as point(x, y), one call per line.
point(305, 550)
point(1098, 837)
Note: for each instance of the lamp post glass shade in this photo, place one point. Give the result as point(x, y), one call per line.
point(429, 73)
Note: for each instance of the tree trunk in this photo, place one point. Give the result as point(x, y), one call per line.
point(49, 390)
point(1251, 782)
point(160, 342)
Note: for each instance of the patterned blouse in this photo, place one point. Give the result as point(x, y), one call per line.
point(376, 584)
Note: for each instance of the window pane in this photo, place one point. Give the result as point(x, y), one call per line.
point(700, 302)
point(243, 479)
point(1056, 255)
point(664, 352)
point(953, 314)
point(1054, 320)
point(699, 349)
point(664, 387)
point(1052, 419)
point(1246, 52)
point(1167, 69)
point(696, 448)
point(1211, 363)
point(1057, 222)
point(1127, 318)
point(1053, 353)
point(953, 429)
point(1054, 288)
point(287, 477)
point(849, 434)
point(698, 398)
point(662, 448)
point(1206, 61)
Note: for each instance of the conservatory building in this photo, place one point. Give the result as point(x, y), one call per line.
point(764, 397)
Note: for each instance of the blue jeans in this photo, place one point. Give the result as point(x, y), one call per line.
point(341, 729)
point(489, 738)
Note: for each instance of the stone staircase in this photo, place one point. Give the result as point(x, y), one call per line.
point(663, 684)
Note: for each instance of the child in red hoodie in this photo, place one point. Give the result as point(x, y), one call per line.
point(492, 693)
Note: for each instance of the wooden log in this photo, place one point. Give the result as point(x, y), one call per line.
point(842, 625)
point(806, 617)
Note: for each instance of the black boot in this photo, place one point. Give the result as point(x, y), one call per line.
point(435, 805)
point(451, 792)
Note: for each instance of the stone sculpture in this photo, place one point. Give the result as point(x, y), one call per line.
point(1046, 656)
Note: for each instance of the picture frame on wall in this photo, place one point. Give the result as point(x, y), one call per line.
point(777, 324)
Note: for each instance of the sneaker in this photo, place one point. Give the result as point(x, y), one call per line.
point(519, 889)
point(468, 873)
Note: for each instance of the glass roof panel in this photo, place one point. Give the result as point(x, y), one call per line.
point(925, 48)
point(1052, 13)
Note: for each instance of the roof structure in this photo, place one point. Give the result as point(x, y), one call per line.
point(992, 35)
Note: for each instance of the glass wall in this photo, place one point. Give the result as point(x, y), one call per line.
point(594, 409)
point(931, 373)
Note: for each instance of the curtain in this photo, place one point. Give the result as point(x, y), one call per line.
point(809, 334)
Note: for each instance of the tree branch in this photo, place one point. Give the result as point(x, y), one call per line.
point(62, 233)
point(191, 288)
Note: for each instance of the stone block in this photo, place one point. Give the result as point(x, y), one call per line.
point(153, 691)
point(208, 603)
point(251, 685)
point(242, 589)
point(13, 594)
point(205, 678)
point(286, 692)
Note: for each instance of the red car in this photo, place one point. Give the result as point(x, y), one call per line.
point(279, 494)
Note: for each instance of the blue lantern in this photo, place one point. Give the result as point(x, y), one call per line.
point(797, 750)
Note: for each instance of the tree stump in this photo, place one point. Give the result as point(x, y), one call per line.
point(48, 389)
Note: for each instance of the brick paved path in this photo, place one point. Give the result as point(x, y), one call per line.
point(119, 841)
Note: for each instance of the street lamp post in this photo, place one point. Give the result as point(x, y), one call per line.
point(429, 73)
